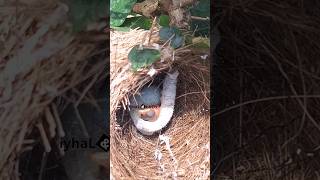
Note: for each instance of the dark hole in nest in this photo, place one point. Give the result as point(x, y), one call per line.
point(30, 163)
point(96, 120)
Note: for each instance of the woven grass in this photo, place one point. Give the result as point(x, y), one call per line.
point(40, 61)
point(268, 91)
point(132, 154)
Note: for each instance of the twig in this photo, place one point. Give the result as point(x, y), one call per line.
point(86, 98)
point(167, 41)
point(166, 140)
point(22, 134)
point(44, 137)
point(151, 29)
point(262, 100)
point(87, 88)
point(16, 169)
point(43, 165)
point(51, 122)
point(82, 124)
point(304, 99)
point(200, 18)
point(190, 93)
point(60, 130)
point(240, 109)
point(25, 149)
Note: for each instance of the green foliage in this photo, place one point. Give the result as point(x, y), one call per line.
point(202, 9)
point(201, 43)
point(166, 32)
point(174, 33)
point(188, 40)
point(197, 42)
point(140, 58)
point(83, 12)
point(164, 20)
point(177, 42)
point(141, 22)
point(123, 29)
point(119, 11)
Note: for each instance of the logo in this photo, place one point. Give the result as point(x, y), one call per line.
point(104, 142)
point(87, 143)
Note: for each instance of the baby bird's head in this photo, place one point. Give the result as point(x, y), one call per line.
point(147, 103)
point(149, 114)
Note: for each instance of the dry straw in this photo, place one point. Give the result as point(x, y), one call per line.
point(268, 90)
point(182, 150)
point(39, 61)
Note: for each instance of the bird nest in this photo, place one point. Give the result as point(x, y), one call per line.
point(40, 61)
point(181, 149)
point(267, 121)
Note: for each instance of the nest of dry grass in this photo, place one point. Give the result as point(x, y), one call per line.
point(132, 154)
point(268, 90)
point(39, 62)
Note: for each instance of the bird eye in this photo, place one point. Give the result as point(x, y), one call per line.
point(142, 106)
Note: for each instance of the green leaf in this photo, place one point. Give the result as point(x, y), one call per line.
point(201, 43)
point(167, 32)
point(164, 20)
point(141, 22)
point(144, 57)
point(174, 33)
point(119, 11)
point(177, 42)
point(123, 29)
point(188, 39)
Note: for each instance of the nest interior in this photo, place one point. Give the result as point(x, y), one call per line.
point(134, 155)
point(267, 89)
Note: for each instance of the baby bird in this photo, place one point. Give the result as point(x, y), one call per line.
point(149, 114)
point(147, 103)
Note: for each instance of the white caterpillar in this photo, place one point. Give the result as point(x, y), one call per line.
point(166, 110)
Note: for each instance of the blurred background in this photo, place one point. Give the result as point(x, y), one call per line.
point(266, 89)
